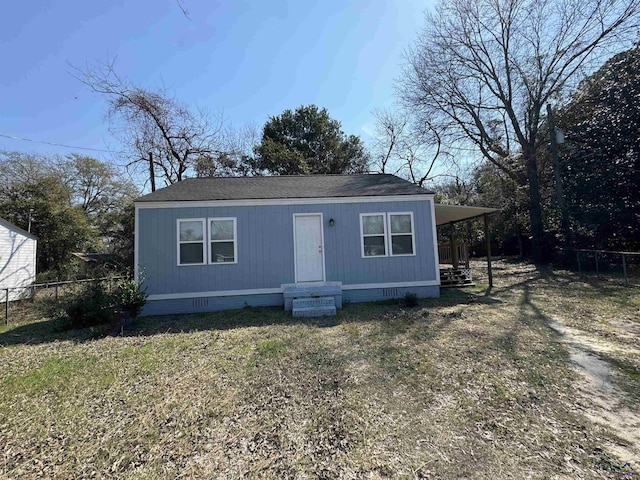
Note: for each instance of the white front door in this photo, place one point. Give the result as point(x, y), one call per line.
point(309, 247)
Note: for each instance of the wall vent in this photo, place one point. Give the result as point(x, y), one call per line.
point(200, 302)
point(390, 292)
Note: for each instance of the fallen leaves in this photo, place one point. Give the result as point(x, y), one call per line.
point(463, 386)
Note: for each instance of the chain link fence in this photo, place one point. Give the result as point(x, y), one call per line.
point(18, 300)
point(624, 266)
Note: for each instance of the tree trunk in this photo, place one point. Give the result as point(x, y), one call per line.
point(535, 208)
point(520, 245)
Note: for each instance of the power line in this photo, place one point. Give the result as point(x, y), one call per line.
point(54, 144)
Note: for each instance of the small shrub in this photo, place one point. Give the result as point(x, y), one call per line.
point(131, 297)
point(411, 300)
point(92, 305)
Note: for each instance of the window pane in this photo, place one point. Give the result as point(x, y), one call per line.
point(222, 252)
point(400, 223)
point(191, 231)
point(373, 224)
point(191, 253)
point(401, 245)
point(374, 246)
point(221, 229)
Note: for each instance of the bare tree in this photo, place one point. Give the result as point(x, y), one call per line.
point(400, 148)
point(163, 137)
point(236, 156)
point(18, 167)
point(96, 186)
point(390, 134)
point(91, 184)
point(482, 70)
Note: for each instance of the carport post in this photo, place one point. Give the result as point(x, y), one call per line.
point(578, 257)
point(488, 240)
point(454, 248)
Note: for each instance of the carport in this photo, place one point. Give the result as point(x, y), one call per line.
point(452, 214)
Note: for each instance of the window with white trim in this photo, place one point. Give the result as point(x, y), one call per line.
point(191, 250)
point(387, 234)
point(222, 241)
point(374, 234)
point(401, 233)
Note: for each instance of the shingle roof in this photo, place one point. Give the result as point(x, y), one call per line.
point(15, 228)
point(295, 186)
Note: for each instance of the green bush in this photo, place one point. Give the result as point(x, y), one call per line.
point(411, 300)
point(131, 297)
point(92, 305)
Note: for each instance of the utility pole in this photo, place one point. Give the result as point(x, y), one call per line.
point(152, 174)
point(564, 215)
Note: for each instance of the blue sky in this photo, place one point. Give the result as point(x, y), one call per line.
point(248, 59)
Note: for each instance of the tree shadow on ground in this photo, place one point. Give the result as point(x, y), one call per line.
point(547, 277)
point(47, 331)
point(543, 279)
point(604, 282)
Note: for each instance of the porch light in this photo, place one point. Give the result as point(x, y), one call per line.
point(332, 222)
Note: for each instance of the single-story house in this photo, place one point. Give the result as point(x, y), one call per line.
point(17, 261)
point(218, 243)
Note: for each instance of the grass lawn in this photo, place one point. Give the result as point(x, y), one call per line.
point(472, 385)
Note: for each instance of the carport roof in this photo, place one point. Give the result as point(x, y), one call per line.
point(457, 213)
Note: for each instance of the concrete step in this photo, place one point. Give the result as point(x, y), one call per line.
point(301, 290)
point(293, 292)
point(326, 311)
point(313, 302)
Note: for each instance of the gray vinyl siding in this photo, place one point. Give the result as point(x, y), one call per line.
point(265, 248)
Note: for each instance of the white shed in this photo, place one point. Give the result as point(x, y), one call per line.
point(17, 261)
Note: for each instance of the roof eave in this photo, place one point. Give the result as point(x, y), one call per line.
point(291, 200)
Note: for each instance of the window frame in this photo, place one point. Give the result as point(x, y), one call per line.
point(179, 242)
point(235, 240)
point(413, 235)
point(388, 236)
point(384, 234)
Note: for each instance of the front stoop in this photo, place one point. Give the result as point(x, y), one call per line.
point(313, 300)
point(314, 307)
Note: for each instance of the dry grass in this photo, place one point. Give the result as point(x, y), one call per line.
point(604, 311)
point(467, 386)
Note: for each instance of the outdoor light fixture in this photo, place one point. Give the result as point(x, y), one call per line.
point(332, 222)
